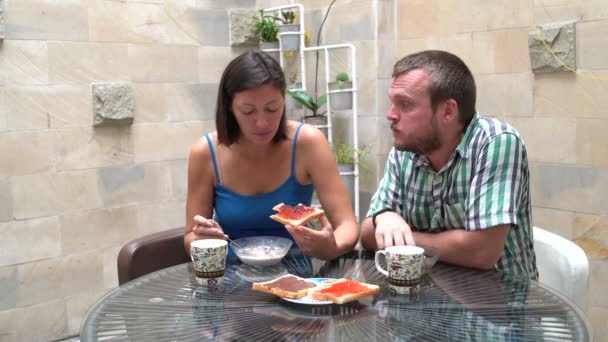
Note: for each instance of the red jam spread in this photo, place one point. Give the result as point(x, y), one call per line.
point(344, 287)
point(295, 213)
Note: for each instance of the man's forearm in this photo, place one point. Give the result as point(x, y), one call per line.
point(368, 237)
point(477, 249)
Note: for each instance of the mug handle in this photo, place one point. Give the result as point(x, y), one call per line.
point(377, 262)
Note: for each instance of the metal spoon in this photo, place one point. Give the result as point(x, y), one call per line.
point(229, 239)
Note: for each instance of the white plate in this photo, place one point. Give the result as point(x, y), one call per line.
point(307, 299)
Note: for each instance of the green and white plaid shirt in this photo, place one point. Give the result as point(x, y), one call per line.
point(484, 184)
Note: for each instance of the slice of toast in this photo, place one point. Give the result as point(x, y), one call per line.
point(343, 291)
point(288, 286)
point(300, 220)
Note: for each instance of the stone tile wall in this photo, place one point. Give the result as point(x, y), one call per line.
point(70, 194)
point(562, 116)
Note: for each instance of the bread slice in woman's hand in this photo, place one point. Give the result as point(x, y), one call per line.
point(343, 291)
point(288, 286)
point(297, 215)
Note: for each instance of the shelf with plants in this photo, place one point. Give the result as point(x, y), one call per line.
point(337, 96)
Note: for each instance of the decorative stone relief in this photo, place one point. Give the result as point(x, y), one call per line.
point(1, 19)
point(242, 28)
point(113, 104)
point(561, 39)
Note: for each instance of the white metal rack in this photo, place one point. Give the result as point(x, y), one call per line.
point(353, 72)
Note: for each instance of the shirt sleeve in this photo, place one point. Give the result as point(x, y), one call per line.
point(500, 181)
point(389, 190)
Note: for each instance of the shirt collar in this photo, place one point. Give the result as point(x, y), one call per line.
point(463, 147)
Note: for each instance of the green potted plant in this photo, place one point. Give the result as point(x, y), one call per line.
point(341, 100)
point(293, 85)
point(290, 42)
point(345, 157)
point(268, 30)
point(314, 105)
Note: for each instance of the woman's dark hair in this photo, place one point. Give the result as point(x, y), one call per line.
point(450, 79)
point(250, 70)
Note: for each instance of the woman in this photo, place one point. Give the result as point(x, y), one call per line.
point(257, 159)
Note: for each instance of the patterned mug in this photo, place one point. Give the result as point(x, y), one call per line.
point(209, 259)
point(404, 264)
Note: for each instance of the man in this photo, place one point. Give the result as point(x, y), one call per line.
point(454, 180)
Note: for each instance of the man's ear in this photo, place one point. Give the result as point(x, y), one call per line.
point(450, 111)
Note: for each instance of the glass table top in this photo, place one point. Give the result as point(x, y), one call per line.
point(451, 303)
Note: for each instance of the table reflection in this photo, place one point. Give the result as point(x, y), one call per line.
point(451, 303)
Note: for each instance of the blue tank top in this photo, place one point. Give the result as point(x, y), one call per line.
point(248, 215)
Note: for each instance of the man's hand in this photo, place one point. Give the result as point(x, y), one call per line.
point(392, 230)
point(317, 243)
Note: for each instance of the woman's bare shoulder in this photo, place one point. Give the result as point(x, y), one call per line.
point(200, 149)
point(308, 135)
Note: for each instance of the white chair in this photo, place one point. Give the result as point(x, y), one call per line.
point(562, 265)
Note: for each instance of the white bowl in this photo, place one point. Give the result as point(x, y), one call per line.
point(261, 250)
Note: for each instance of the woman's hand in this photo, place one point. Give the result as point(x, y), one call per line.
point(317, 243)
point(207, 229)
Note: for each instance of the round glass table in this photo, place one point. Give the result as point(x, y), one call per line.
point(451, 303)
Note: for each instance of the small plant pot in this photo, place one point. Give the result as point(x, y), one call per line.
point(349, 179)
point(290, 102)
point(264, 46)
point(290, 42)
point(317, 121)
point(341, 101)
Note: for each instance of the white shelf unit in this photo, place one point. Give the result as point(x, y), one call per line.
point(276, 11)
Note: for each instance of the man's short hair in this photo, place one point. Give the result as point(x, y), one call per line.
point(252, 69)
point(450, 79)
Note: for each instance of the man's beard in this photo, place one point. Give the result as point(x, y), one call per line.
point(424, 145)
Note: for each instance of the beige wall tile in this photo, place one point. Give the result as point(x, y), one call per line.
point(188, 102)
point(9, 283)
point(26, 152)
point(555, 221)
point(166, 63)
point(78, 306)
point(387, 57)
point(212, 60)
point(179, 179)
point(417, 18)
point(29, 240)
point(539, 136)
point(24, 107)
point(503, 51)
point(101, 228)
point(69, 105)
point(24, 62)
point(78, 63)
point(599, 321)
point(158, 23)
point(160, 216)
point(110, 270)
point(386, 20)
point(53, 193)
point(82, 272)
point(592, 45)
point(108, 21)
point(121, 185)
point(40, 281)
point(477, 15)
point(598, 278)
point(567, 94)
point(167, 141)
point(47, 20)
point(594, 10)
point(505, 94)
point(569, 187)
point(150, 103)
point(545, 12)
point(408, 46)
point(50, 322)
point(6, 200)
point(592, 141)
point(88, 147)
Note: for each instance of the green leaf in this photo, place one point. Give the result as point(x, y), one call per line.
point(321, 100)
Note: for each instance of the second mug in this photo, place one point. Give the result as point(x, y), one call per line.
point(403, 263)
